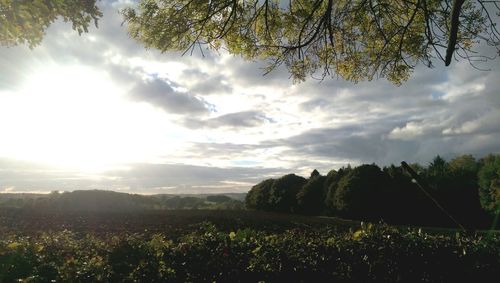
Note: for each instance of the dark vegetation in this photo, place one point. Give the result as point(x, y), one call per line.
point(465, 188)
point(235, 246)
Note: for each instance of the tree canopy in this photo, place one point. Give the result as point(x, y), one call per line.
point(356, 40)
point(25, 21)
point(464, 188)
point(489, 183)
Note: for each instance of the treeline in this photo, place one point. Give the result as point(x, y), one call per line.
point(465, 188)
point(100, 200)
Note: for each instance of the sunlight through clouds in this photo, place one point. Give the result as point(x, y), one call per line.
point(72, 116)
point(99, 103)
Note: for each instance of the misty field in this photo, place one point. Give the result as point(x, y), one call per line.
point(233, 246)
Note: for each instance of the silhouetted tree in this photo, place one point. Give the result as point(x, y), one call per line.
point(368, 193)
point(283, 194)
point(406, 203)
point(461, 195)
point(311, 197)
point(330, 187)
point(360, 193)
point(437, 175)
point(314, 173)
point(258, 196)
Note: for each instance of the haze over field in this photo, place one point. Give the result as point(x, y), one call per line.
point(98, 111)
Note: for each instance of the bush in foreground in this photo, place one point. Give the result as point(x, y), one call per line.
point(374, 253)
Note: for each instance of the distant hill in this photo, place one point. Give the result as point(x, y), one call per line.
point(235, 196)
point(102, 200)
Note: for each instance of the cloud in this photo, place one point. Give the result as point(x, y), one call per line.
point(349, 144)
point(29, 176)
point(253, 73)
point(489, 122)
point(14, 63)
point(161, 93)
point(185, 178)
point(415, 129)
point(203, 83)
point(139, 178)
point(229, 115)
point(245, 119)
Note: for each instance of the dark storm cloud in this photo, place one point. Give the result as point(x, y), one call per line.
point(160, 93)
point(244, 119)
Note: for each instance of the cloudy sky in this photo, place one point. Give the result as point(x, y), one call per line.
point(99, 111)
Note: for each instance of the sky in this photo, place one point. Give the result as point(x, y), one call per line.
point(99, 111)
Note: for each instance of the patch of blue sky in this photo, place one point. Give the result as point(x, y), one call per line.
point(245, 162)
point(437, 95)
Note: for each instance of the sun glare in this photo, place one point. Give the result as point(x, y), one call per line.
point(77, 118)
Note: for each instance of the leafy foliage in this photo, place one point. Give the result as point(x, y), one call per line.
point(357, 40)
point(282, 196)
point(489, 183)
point(372, 253)
point(258, 196)
point(25, 21)
point(368, 193)
point(311, 195)
point(360, 193)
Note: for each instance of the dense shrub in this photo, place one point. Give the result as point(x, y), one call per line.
point(374, 253)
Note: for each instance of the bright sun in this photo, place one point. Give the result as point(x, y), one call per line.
point(76, 118)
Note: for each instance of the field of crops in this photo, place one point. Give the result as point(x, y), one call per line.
point(232, 246)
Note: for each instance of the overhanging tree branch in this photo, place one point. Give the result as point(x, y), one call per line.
point(455, 22)
point(356, 40)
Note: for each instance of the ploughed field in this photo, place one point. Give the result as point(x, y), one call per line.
point(168, 222)
point(233, 246)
